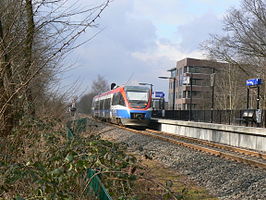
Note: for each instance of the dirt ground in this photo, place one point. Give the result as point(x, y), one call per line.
point(160, 182)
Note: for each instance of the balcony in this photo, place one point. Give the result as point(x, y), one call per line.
point(195, 100)
point(197, 88)
point(203, 76)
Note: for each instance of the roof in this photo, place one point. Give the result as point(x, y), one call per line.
point(196, 62)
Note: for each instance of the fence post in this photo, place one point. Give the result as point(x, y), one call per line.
point(264, 111)
point(229, 122)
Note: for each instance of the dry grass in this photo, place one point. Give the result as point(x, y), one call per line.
point(157, 179)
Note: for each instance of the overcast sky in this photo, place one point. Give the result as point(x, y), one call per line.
point(141, 39)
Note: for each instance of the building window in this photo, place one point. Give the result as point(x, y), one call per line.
point(185, 69)
point(200, 69)
point(195, 81)
point(187, 106)
point(180, 77)
point(179, 94)
point(195, 94)
point(184, 94)
point(173, 73)
point(200, 82)
point(180, 71)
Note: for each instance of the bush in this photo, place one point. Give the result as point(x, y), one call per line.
point(39, 162)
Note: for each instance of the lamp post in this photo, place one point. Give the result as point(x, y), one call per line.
point(190, 105)
point(174, 79)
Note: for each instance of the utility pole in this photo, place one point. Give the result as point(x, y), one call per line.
point(174, 79)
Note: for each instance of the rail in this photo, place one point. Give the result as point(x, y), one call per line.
point(250, 157)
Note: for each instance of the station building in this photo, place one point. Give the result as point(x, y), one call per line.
point(192, 83)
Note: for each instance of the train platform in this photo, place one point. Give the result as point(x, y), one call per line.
point(239, 136)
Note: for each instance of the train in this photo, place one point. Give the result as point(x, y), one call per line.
point(124, 105)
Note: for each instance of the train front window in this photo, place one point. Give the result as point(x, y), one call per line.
point(138, 99)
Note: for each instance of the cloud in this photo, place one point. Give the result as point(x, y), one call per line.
point(124, 30)
point(141, 40)
point(166, 51)
point(197, 31)
point(170, 12)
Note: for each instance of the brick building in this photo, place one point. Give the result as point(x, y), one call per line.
point(192, 76)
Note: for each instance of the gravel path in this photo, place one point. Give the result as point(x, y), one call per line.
point(225, 179)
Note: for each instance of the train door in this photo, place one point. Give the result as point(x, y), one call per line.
point(107, 107)
point(97, 108)
point(101, 108)
point(93, 108)
point(113, 107)
point(111, 103)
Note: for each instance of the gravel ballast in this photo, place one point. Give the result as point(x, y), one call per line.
point(225, 179)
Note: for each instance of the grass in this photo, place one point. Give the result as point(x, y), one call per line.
point(162, 178)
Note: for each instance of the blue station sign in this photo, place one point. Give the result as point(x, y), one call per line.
point(253, 82)
point(159, 94)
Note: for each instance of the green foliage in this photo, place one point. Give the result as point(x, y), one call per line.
point(43, 164)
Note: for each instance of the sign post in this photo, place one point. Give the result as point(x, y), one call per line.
point(159, 94)
point(255, 83)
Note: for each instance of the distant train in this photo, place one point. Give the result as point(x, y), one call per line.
point(125, 105)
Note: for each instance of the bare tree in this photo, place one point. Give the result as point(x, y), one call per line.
point(243, 46)
point(34, 38)
point(99, 85)
point(230, 90)
point(84, 104)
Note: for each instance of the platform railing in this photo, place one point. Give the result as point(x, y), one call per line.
point(229, 117)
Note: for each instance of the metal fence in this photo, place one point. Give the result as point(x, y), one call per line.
point(97, 186)
point(230, 117)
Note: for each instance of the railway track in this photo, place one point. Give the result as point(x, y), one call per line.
point(253, 158)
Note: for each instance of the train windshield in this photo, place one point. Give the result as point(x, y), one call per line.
point(138, 98)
